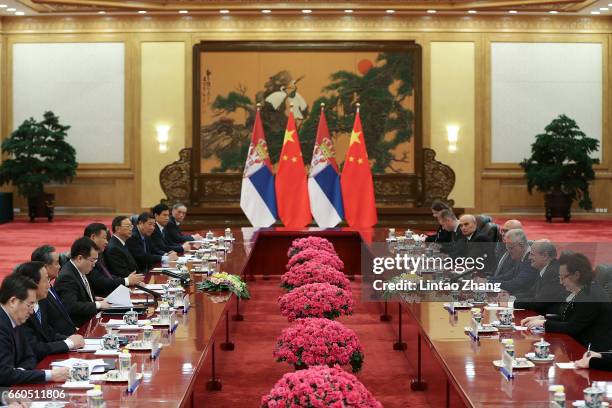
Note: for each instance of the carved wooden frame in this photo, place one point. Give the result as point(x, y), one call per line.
point(212, 189)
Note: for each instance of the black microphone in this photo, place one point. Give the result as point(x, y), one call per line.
point(461, 275)
point(149, 291)
point(185, 280)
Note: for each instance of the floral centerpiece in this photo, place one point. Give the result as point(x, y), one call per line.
point(313, 272)
point(223, 282)
point(316, 255)
point(316, 341)
point(319, 386)
point(317, 243)
point(316, 300)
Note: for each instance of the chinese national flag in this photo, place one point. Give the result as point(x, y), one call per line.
point(356, 182)
point(291, 185)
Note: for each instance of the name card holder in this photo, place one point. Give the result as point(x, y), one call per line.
point(133, 379)
point(155, 349)
point(173, 322)
point(474, 327)
point(507, 362)
point(451, 306)
point(186, 303)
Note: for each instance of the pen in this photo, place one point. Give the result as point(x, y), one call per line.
point(588, 353)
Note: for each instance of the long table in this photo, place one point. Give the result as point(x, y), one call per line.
point(187, 358)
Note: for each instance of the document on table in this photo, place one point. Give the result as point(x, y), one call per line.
point(567, 366)
point(120, 297)
point(91, 345)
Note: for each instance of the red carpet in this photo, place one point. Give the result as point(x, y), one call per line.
point(250, 371)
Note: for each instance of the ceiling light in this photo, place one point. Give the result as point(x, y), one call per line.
point(19, 13)
point(306, 11)
point(224, 11)
point(101, 12)
point(432, 11)
point(142, 11)
point(3, 6)
point(512, 11)
point(595, 12)
point(472, 11)
point(183, 11)
point(390, 11)
point(348, 11)
point(266, 11)
point(553, 12)
point(604, 8)
point(11, 9)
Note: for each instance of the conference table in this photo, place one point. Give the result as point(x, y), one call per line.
point(453, 369)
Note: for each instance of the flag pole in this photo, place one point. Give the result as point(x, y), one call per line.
point(322, 106)
point(358, 105)
point(258, 106)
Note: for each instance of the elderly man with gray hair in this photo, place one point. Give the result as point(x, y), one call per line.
point(522, 275)
point(547, 293)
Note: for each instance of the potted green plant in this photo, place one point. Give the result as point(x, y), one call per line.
point(38, 155)
point(560, 166)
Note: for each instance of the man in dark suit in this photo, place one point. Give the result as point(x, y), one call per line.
point(57, 313)
point(17, 361)
point(521, 277)
point(159, 237)
point(118, 259)
point(73, 286)
point(450, 224)
point(102, 281)
point(174, 234)
point(42, 338)
point(502, 258)
point(474, 245)
point(547, 293)
point(141, 247)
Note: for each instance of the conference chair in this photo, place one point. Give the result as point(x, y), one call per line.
point(603, 276)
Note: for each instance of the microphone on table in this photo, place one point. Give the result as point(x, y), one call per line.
point(149, 291)
point(461, 275)
point(185, 280)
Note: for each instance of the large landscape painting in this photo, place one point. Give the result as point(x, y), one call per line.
point(232, 79)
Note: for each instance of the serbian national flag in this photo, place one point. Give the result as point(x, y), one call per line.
point(291, 188)
point(356, 181)
point(257, 197)
point(324, 180)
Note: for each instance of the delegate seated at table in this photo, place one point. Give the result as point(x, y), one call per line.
point(585, 315)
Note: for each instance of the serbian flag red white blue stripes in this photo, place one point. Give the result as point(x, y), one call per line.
point(258, 197)
point(324, 181)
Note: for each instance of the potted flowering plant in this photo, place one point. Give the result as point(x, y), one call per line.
point(300, 244)
point(316, 255)
point(319, 386)
point(313, 272)
point(315, 341)
point(225, 282)
point(316, 300)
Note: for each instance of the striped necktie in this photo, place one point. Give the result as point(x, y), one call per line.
point(38, 315)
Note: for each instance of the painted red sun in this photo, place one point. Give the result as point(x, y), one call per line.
point(364, 66)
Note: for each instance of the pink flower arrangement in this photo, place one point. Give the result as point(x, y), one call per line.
point(319, 387)
point(313, 272)
point(316, 341)
point(316, 300)
point(318, 243)
point(322, 257)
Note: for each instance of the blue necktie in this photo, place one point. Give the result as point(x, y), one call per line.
point(38, 316)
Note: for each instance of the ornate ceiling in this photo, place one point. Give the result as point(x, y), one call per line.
point(172, 6)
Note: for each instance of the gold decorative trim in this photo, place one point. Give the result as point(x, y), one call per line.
point(313, 26)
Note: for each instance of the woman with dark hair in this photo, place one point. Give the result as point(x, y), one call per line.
point(585, 315)
point(441, 235)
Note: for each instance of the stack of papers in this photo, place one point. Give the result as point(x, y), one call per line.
point(120, 297)
point(95, 366)
point(91, 345)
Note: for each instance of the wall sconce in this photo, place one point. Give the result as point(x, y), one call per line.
point(162, 137)
point(452, 134)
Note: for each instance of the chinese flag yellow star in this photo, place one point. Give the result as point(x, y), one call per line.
point(294, 159)
point(285, 157)
point(360, 160)
point(288, 136)
point(351, 159)
point(354, 137)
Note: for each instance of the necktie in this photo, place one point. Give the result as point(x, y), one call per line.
point(38, 316)
point(144, 244)
point(87, 287)
point(501, 263)
point(104, 270)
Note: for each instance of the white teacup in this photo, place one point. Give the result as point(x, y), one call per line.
point(593, 397)
point(110, 342)
point(130, 318)
point(541, 348)
point(506, 317)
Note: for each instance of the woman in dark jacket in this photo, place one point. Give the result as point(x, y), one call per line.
point(586, 313)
